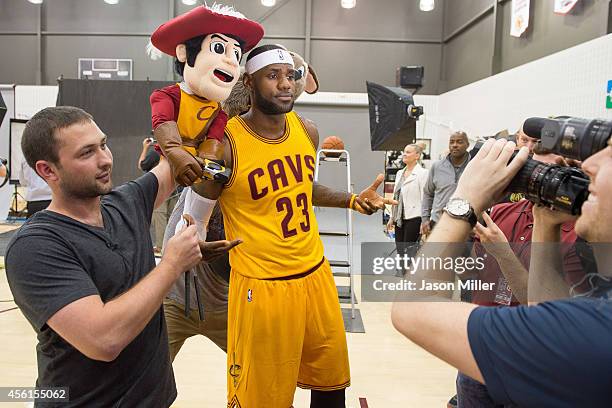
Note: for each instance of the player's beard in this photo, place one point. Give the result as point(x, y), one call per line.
point(270, 107)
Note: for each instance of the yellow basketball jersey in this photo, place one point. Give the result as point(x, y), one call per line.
point(268, 201)
point(195, 115)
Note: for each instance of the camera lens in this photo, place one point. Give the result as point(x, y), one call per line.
point(564, 188)
point(529, 180)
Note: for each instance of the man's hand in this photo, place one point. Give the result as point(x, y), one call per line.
point(490, 233)
point(214, 249)
point(146, 142)
point(182, 251)
point(425, 228)
point(492, 237)
point(548, 218)
point(368, 201)
point(488, 174)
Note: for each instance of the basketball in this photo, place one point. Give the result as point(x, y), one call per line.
point(332, 143)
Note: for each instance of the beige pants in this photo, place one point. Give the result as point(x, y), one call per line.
point(180, 328)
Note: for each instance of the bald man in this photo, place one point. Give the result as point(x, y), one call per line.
point(442, 180)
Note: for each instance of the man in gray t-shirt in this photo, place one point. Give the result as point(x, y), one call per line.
point(442, 180)
point(83, 272)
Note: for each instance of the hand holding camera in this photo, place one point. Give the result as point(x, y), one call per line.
point(148, 141)
point(486, 176)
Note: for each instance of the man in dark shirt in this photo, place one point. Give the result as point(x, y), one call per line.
point(503, 243)
point(83, 272)
point(552, 354)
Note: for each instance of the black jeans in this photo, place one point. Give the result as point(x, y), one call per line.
point(407, 236)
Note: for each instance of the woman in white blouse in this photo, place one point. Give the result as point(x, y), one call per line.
point(408, 191)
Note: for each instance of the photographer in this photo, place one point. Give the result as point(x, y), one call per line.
point(504, 241)
point(506, 236)
point(148, 156)
point(549, 355)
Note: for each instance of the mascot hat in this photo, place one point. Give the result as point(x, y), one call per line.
point(203, 21)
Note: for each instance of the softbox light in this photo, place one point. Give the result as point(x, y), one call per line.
point(393, 117)
point(2, 110)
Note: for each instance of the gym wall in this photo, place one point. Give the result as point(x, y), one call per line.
point(455, 42)
point(571, 82)
point(473, 51)
point(345, 46)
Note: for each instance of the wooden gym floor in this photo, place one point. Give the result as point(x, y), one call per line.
point(386, 369)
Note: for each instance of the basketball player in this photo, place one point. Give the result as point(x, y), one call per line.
point(285, 326)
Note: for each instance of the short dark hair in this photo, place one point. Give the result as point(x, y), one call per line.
point(39, 141)
point(462, 134)
point(193, 46)
point(264, 48)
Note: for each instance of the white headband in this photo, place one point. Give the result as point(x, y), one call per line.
point(275, 56)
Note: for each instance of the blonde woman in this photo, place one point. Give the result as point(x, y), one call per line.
point(408, 191)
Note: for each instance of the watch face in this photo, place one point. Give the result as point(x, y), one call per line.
point(458, 207)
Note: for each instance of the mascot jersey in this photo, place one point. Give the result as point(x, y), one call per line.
point(195, 117)
point(268, 201)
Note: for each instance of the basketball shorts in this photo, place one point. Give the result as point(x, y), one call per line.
point(282, 334)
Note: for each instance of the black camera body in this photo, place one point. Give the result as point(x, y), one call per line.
point(574, 138)
point(559, 187)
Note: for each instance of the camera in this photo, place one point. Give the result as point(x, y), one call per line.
point(563, 188)
point(574, 138)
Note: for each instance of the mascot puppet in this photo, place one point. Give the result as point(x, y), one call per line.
point(188, 122)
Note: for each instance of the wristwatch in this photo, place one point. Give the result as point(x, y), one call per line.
point(461, 209)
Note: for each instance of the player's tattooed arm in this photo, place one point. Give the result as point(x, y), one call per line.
point(323, 196)
point(367, 202)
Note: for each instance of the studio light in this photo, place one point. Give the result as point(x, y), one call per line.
point(190, 2)
point(348, 4)
point(111, 1)
point(268, 3)
point(426, 5)
point(36, 1)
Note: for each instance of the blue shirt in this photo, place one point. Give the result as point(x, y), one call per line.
point(556, 354)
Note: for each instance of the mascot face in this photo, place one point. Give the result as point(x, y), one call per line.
point(216, 69)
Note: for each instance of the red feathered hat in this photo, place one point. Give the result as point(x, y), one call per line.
point(203, 21)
